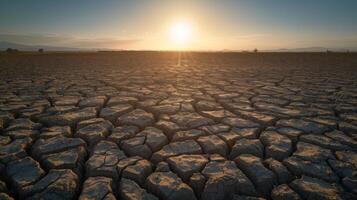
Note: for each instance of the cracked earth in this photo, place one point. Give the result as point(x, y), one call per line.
point(135, 125)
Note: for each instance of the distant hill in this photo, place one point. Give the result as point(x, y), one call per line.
point(22, 47)
point(310, 49)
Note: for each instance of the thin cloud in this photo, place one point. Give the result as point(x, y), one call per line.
point(68, 41)
point(250, 36)
point(104, 43)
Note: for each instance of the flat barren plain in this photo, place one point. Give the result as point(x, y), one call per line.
point(146, 125)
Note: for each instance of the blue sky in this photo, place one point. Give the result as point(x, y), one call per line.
point(144, 24)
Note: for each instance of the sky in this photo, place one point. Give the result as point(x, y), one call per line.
point(210, 24)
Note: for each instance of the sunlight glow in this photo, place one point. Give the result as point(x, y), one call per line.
point(181, 34)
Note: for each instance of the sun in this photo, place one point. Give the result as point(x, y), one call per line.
point(181, 33)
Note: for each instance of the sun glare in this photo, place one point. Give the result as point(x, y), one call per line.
point(181, 33)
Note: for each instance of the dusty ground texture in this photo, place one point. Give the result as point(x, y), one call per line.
point(134, 125)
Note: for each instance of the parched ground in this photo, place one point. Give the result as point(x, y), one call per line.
point(136, 125)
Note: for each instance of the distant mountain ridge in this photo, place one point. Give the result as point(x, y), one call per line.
point(311, 49)
point(22, 47)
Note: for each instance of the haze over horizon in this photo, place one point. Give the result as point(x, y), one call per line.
point(189, 25)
